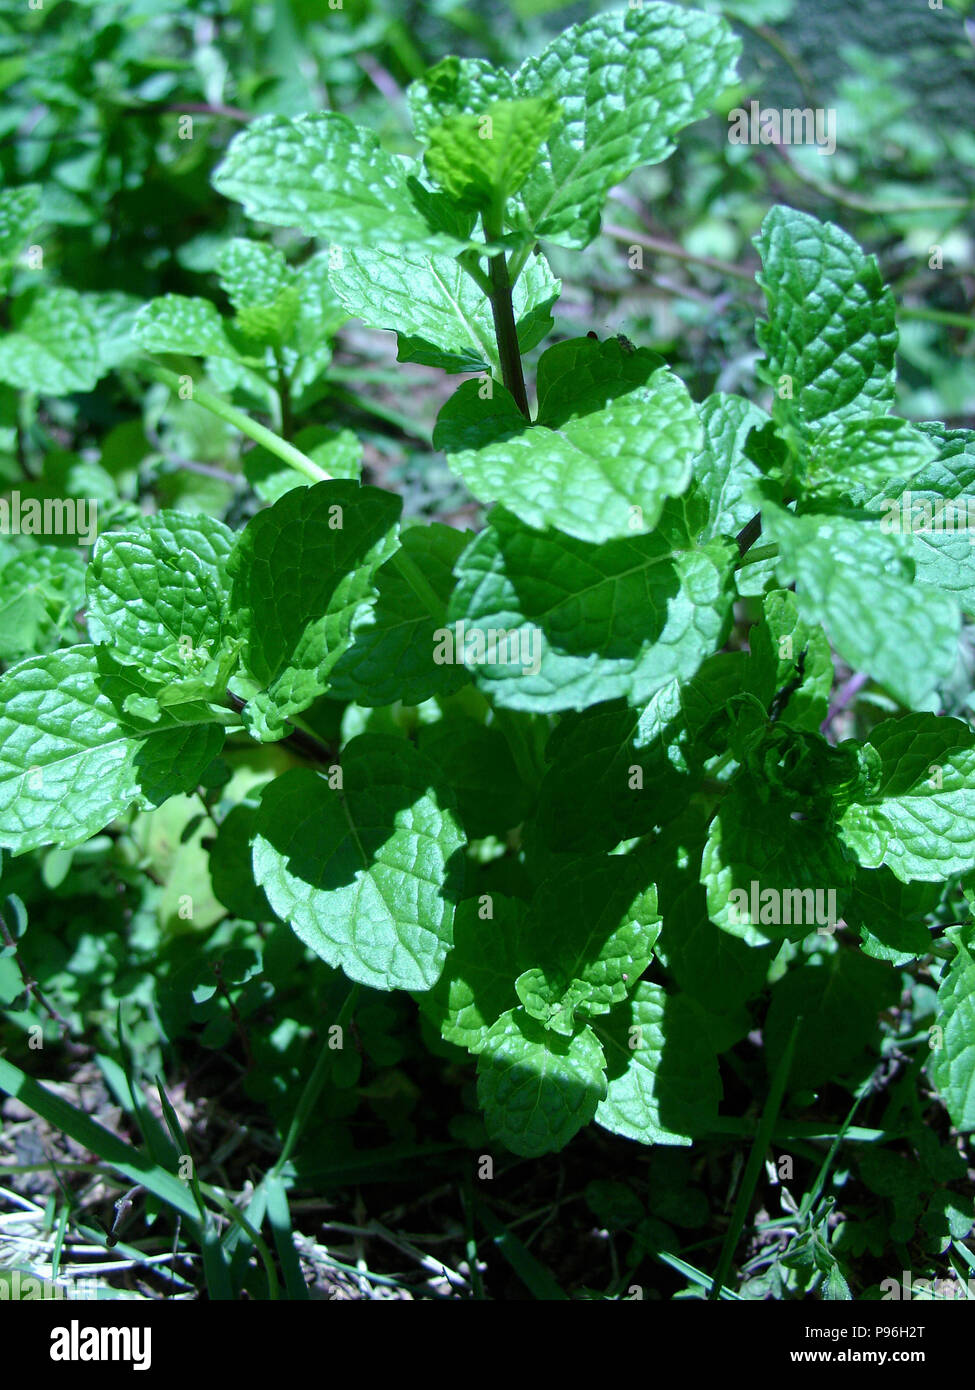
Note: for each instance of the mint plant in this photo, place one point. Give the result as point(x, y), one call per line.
point(551, 788)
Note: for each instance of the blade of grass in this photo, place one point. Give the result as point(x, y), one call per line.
point(964, 1282)
point(153, 1134)
point(253, 1235)
point(59, 1234)
point(536, 1278)
point(137, 1167)
point(254, 1213)
point(257, 1207)
point(753, 1168)
point(470, 1238)
point(696, 1276)
point(313, 1086)
point(808, 1201)
point(364, 1168)
point(182, 1146)
point(279, 1216)
point(801, 1129)
point(216, 1267)
point(129, 1252)
point(132, 1099)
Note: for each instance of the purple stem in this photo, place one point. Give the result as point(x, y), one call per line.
point(844, 696)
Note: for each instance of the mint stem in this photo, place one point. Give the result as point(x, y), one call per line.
point(305, 744)
point(259, 433)
point(302, 464)
point(31, 988)
point(507, 334)
point(284, 400)
point(749, 534)
point(754, 557)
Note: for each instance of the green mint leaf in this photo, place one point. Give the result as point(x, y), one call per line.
point(368, 873)
point(442, 214)
point(555, 1008)
point(838, 998)
point(536, 1088)
point(768, 876)
point(584, 623)
point(891, 916)
point(40, 592)
point(637, 764)
point(273, 324)
point(952, 1064)
point(717, 969)
point(294, 312)
point(628, 763)
point(301, 572)
point(253, 275)
point(920, 821)
point(111, 316)
point(662, 1071)
point(72, 759)
point(477, 984)
point(441, 317)
point(320, 315)
point(455, 86)
point(329, 177)
point(480, 160)
point(854, 458)
point(936, 514)
point(157, 595)
point(830, 337)
point(776, 646)
point(178, 323)
point(687, 718)
point(477, 761)
point(231, 866)
point(52, 349)
point(723, 470)
point(857, 582)
point(627, 81)
point(170, 843)
point(18, 217)
point(615, 437)
point(719, 501)
point(820, 779)
point(591, 924)
point(393, 641)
